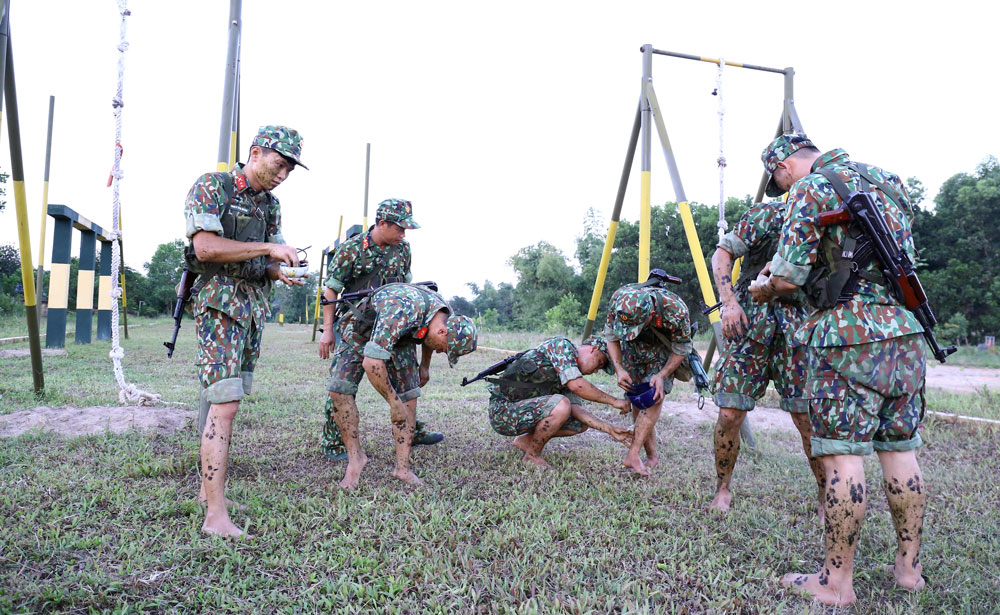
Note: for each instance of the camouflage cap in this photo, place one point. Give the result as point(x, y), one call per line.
point(601, 344)
point(779, 149)
point(629, 309)
point(396, 211)
point(282, 139)
point(462, 337)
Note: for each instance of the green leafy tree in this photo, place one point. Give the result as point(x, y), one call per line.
point(296, 302)
point(566, 316)
point(163, 273)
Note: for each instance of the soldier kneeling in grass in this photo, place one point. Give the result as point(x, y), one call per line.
point(538, 396)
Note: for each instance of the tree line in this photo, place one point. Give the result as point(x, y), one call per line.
point(957, 239)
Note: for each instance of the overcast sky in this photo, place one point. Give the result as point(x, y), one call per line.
point(502, 122)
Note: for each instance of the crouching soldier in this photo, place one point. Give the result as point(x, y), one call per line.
point(380, 340)
point(540, 395)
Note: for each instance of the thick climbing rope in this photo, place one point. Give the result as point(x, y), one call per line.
point(129, 393)
point(723, 226)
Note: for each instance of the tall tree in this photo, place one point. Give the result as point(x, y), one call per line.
point(163, 273)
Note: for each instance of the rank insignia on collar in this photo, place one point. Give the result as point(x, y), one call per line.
point(241, 182)
point(421, 333)
point(659, 322)
point(364, 243)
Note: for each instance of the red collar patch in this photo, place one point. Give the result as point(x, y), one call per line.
point(364, 243)
point(659, 322)
point(421, 333)
point(241, 181)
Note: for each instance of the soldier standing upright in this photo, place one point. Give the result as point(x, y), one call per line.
point(867, 361)
point(368, 260)
point(234, 224)
point(649, 337)
point(759, 346)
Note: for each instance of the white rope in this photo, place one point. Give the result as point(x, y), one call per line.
point(128, 393)
point(723, 226)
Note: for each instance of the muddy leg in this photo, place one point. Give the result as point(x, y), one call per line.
point(645, 438)
point(803, 424)
point(402, 432)
point(345, 415)
point(904, 488)
point(726, 443)
point(214, 463)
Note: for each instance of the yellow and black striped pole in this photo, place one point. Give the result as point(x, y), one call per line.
point(104, 292)
point(609, 241)
point(17, 174)
point(39, 277)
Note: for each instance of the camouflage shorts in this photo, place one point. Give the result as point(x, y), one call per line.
point(513, 418)
point(347, 369)
point(745, 368)
point(227, 353)
point(643, 361)
point(867, 397)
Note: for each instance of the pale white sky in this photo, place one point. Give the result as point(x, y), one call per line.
point(502, 122)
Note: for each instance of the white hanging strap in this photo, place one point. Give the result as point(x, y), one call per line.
point(129, 393)
point(723, 226)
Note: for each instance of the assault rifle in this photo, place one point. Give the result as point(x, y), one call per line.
point(354, 297)
point(877, 241)
point(494, 369)
point(183, 295)
point(661, 277)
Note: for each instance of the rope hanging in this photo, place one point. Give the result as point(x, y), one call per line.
point(723, 226)
point(129, 393)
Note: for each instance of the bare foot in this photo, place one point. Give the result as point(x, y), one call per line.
point(221, 525)
point(635, 464)
point(721, 501)
point(652, 462)
point(913, 582)
point(353, 473)
point(538, 461)
point(408, 477)
point(523, 442)
point(810, 586)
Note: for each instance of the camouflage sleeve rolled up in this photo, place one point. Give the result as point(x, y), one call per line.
point(203, 205)
point(561, 353)
point(340, 268)
point(677, 323)
point(400, 310)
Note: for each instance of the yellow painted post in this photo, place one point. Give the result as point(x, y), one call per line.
point(644, 228)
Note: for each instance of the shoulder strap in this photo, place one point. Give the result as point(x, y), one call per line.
point(864, 171)
point(838, 184)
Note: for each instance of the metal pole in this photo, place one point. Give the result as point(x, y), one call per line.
point(368, 157)
point(234, 151)
point(609, 242)
point(24, 237)
point(716, 61)
point(45, 202)
point(644, 207)
point(229, 87)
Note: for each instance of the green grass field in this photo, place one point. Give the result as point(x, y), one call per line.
point(108, 523)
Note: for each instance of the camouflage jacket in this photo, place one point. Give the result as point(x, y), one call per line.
point(760, 224)
point(360, 255)
point(402, 311)
point(872, 315)
point(204, 203)
point(635, 311)
point(555, 363)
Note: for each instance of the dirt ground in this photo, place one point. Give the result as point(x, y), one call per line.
point(81, 421)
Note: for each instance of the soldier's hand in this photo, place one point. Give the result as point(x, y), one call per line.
point(326, 342)
point(425, 375)
point(284, 254)
point(622, 435)
point(734, 321)
point(624, 380)
point(656, 381)
point(623, 405)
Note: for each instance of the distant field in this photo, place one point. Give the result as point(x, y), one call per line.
point(108, 523)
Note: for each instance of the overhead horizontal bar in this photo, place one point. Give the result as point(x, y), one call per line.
point(717, 61)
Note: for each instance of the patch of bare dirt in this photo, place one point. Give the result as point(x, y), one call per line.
point(26, 352)
point(96, 419)
point(962, 379)
point(761, 417)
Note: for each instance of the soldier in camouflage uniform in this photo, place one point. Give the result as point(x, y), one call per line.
point(368, 260)
point(649, 337)
point(538, 396)
point(759, 348)
point(380, 340)
point(867, 362)
point(234, 220)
